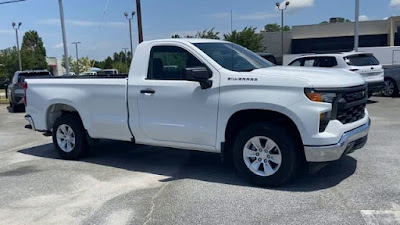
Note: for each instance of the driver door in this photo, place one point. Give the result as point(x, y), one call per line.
point(172, 109)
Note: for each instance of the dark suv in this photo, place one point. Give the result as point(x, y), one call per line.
point(15, 88)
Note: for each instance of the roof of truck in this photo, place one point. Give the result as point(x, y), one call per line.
point(190, 40)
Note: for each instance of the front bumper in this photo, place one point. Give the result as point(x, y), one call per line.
point(349, 142)
point(374, 87)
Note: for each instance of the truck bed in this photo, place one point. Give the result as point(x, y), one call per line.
point(100, 101)
point(119, 76)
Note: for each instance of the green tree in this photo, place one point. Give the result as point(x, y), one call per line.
point(74, 66)
point(33, 53)
point(77, 66)
point(340, 20)
point(121, 67)
point(108, 63)
point(343, 20)
point(86, 63)
point(98, 64)
point(274, 27)
point(247, 38)
point(8, 62)
point(208, 34)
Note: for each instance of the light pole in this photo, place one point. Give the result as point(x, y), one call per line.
point(130, 26)
point(77, 72)
point(76, 49)
point(356, 25)
point(126, 58)
point(16, 36)
point(139, 21)
point(282, 8)
point(64, 36)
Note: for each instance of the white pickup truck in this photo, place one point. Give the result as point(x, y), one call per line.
point(213, 96)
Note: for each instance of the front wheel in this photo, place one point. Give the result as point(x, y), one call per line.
point(390, 89)
point(69, 137)
point(13, 106)
point(267, 153)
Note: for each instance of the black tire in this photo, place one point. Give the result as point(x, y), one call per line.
point(390, 82)
point(14, 107)
point(290, 149)
point(81, 146)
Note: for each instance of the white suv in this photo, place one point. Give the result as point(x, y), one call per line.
point(362, 63)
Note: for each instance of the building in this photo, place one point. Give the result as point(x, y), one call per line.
point(55, 66)
point(333, 37)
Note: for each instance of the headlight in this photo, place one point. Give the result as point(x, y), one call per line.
point(321, 96)
point(317, 96)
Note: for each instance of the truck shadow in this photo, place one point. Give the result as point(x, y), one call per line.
point(179, 164)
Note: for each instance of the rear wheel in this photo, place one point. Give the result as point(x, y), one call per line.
point(390, 88)
point(69, 137)
point(14, 106)
point(267, 153)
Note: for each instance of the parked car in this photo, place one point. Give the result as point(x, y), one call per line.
point(268, 56)
point(15, 90)
point(195, 94)
point(362, 63)
point(4, 85)
point(90, 73)
point(392, 81)
point(108, 72)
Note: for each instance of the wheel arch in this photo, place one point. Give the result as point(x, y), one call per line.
point(242, 118)
point(55, 110)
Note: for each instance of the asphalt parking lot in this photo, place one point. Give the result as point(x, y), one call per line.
point(120, 183)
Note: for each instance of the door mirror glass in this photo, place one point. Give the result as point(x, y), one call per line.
point(200, 74)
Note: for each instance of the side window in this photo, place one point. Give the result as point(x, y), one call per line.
point(296, 63)
point(326, 62)
point(170, 62)
point(309, 62)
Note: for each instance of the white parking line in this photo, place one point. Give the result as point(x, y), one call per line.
point(381, 217)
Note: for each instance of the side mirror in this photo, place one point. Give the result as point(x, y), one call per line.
point(200, 74)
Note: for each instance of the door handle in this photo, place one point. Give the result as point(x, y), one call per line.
point(147, 91)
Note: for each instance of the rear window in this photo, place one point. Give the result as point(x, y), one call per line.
point(361, 60)
point(23, 76)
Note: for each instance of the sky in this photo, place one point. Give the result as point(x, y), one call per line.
point(102, 29)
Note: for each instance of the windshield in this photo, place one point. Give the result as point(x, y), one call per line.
point(361, 60)
point(233, 57)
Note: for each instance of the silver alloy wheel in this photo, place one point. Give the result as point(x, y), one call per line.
point(262, 156)
point(65, 138)
point(388, 90)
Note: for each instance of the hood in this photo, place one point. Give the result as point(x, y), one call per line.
point(317, 77)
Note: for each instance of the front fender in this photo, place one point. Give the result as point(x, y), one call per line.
point(224, 118)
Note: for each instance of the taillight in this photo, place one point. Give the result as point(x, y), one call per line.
point(25, 86)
